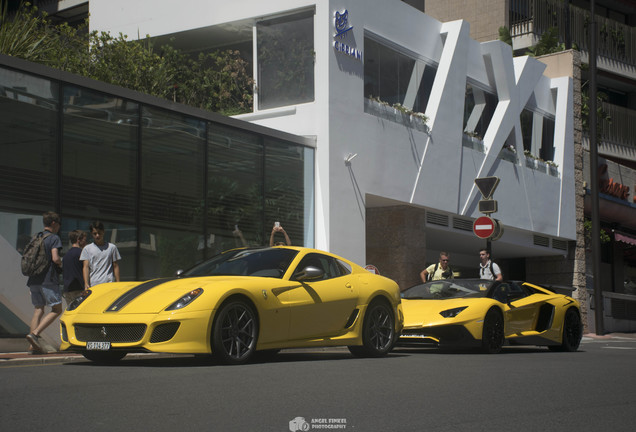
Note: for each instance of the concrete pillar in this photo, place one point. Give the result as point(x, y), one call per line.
point(396, 242)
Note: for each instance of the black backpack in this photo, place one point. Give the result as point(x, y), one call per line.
point(429, 277)
point(34, 258)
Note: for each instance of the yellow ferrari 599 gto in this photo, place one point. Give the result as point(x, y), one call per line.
point(236, 304)
point(462, 313)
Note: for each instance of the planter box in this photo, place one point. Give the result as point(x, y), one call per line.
point(394, 115)
point(509, 156)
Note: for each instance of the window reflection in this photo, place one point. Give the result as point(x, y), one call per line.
point(285, 189)
point(235, 189)
point(479, 107)
point(99, 153)
point(172, 182)
point(164, 251)
point(286, 60)
point(28, 121)
point(395, 78)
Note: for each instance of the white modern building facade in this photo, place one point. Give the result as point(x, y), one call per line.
point(386, 117)
point(346, 64)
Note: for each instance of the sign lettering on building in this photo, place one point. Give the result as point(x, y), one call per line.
point(341, 40)
point(608, 186)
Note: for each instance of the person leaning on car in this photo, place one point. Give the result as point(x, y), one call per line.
point(438, 271)
point(488, 269)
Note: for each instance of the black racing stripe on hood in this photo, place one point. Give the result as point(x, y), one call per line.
point(136, 292)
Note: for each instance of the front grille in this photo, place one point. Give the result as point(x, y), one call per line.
point(110, 332)
point(164, 332)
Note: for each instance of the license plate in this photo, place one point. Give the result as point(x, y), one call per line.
point(98, 346)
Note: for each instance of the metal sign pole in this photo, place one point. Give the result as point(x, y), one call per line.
point(596, 231)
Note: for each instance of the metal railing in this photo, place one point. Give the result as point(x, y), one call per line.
point(621, 128)
point(615, 40)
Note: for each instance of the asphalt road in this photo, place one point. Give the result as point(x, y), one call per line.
point(521, 389)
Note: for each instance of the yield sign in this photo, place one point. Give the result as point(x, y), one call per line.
point(484, 227)
point(487, 185)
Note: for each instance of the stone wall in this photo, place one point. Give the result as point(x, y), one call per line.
point(485, 16)
point(396, 242)
point(571, 269)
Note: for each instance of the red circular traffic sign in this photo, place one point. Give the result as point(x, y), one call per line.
point(483, 227)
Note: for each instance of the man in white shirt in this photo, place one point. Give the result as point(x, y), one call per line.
point(100, 258)
point(488, 269)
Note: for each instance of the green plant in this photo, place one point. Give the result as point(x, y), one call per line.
point(504, 35)
point(548, 43)
point(587, 224)
point(218, 81)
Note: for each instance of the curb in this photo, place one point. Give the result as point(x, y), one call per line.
point(26, 359)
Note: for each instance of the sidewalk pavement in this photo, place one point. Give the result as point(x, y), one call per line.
point(26, 358)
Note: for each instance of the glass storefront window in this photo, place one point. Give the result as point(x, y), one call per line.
point(235, 189)
point(285, 60)
point(99, 155)
point(395, 78)
point(164, 251)
point(28, 143)
point(285, 190)
point(479, 107)
point(538, 134)
point(172, 170)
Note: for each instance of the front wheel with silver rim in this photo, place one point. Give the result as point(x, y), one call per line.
point(378, 331)
point(235, 332)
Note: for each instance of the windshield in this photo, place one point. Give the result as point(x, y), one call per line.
point(264, 262)
point(448, 288)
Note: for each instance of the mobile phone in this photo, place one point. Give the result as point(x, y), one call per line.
point(277, 224)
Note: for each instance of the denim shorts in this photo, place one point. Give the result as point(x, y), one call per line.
point(45, 295)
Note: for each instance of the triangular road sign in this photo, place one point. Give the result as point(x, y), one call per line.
point(487, 185)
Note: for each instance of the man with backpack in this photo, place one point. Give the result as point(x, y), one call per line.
point(43, 284)
point(438, 271)
point(488, 269)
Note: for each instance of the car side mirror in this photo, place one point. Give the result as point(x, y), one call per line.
point(309, 273)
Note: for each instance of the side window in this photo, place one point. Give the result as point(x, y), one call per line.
point(345, 268)
point(332, 267)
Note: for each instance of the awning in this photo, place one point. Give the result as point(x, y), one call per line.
point(625, 238)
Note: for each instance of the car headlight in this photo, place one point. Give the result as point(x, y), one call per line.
point(452, 313)
point(78, 300)
point(186, 299)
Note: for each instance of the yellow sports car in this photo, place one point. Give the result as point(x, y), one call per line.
point(481, 313)
point(238, 303)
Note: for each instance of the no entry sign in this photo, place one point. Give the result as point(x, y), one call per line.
point(483, 227)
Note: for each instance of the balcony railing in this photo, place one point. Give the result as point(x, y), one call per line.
point(621, 129)
point(615, 40)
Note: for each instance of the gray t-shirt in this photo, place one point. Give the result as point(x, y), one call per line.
point(100, 262)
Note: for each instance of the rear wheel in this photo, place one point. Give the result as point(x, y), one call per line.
point(235, 332)
point(492, 337)
point(378, 331)
point(572, 332)
point(104, 357)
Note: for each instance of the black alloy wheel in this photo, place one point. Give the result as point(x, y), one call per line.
point(378, 331)
point(572, 332)
point(492, 338)
point(235, 332)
